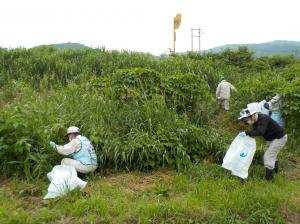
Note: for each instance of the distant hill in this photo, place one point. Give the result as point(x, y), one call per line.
point(278, 47)
point(69, 45)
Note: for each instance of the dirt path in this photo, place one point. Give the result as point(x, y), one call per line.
point(138, 181)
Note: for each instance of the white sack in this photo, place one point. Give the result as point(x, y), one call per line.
point(63, 179)
point(240, 155)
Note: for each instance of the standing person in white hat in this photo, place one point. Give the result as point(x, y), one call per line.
point(80, 149)
point(272, 132)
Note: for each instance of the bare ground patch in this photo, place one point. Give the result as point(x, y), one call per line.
point(138, 181)
point(292, 217)
point(293, 171)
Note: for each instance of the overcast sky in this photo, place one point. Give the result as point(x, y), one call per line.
point(147, 25)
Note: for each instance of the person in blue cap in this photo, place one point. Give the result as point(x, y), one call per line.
point(223, 93)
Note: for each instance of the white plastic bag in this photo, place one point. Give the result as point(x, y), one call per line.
point(240, 155)
point(63, 179)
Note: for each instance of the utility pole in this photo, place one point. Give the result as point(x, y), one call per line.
point(197, 35)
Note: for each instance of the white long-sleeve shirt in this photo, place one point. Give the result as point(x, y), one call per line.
point(68, 149)
point(223, 90)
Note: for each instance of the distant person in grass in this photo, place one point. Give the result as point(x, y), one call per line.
point(275, 109)
point(80, 149)
point(223, 93)
point(270, 130)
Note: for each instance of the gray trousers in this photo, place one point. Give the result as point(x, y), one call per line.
point(79, 167)
point(272, 150)
point(224, 104)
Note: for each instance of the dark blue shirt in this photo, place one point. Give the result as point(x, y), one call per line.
point(267, 128)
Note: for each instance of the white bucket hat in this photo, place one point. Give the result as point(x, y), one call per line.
point(252, 108)
point(72, 129)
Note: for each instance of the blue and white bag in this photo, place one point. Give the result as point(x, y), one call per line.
point(239, 156)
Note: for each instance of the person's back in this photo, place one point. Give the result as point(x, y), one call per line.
point(223, 90)
point(86, 154)
point(267, 128)
point(223, 93)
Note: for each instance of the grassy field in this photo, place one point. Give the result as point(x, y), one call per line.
point(205, 193)
point(159, 136)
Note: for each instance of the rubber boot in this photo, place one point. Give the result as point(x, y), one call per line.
point(269, 174)
point(276, 167)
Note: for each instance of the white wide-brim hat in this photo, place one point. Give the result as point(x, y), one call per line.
point(244, 113)
point(252, 108)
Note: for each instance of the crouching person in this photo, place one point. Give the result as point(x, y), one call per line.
point(80, 150)
point(272, 132)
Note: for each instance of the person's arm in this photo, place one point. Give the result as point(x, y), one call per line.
point(233, 88)
point(70, 148)
point(259, 130)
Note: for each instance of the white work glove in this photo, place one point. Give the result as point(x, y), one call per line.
point(243, 134)
point(52, 144)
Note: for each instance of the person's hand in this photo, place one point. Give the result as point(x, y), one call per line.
point(243, 134)
point(52, 144)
